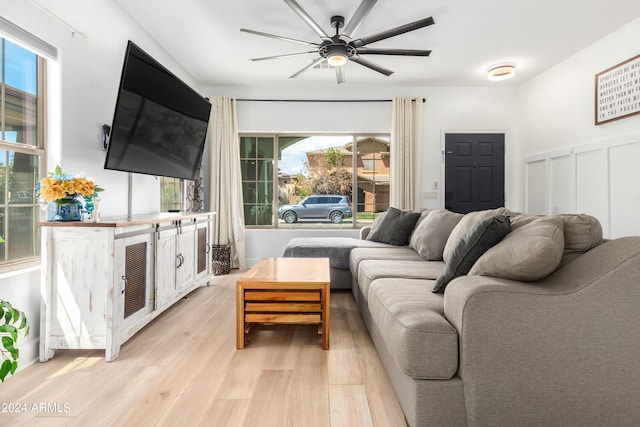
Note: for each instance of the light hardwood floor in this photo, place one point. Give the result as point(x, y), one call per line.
point(183, 369)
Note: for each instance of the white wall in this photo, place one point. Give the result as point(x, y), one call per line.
point(446, 109)
point(83, 86)
point(570, 164)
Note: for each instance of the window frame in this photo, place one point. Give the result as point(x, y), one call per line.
point(38, 150)
point(275, 136)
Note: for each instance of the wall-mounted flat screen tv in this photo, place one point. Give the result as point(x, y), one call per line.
point(160, 123)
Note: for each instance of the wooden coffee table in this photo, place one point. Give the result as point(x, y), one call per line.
point(284, 290)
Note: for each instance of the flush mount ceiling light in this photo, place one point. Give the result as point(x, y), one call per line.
point(501, 72)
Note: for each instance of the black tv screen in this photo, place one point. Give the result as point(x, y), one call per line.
point(160, 123)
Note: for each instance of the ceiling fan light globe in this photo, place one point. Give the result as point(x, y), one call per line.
point(337, 60)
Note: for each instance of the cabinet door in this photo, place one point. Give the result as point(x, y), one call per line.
point(134, 262)
point(185, 273)
point(203, 250)
point(166, 264)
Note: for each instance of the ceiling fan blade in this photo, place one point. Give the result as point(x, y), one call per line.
point(308, 19)
point(340, 74)
point(402, 52)
point(273, 36)
point(371, 65)
point(394, 32)
point(359, 16)
point(313, 64)
point(285, 55)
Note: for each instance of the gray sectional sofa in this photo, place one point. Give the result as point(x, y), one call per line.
point(543, 330)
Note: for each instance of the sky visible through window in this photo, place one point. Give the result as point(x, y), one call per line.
point(294, 156)
point(20, 72)
point(20, 68)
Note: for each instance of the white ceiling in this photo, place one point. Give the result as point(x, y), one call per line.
point(468, 37)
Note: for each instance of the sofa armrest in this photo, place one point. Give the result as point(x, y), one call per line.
point(560, 342)
point(364, 232)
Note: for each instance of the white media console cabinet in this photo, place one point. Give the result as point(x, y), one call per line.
point(102, 282)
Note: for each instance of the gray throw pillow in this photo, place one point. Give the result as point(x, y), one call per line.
point(395, 228)
point(376, 224)
point(468, 221)
point(471, 245)
point(528, 253)
point(431, 234)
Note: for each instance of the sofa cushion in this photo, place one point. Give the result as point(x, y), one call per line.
point(430, 235)
point(467, 221)
point(371, 270)
point(411, 321)
point(528, 253)
point(395, 228)
point(581, 233)
point(389, 253)
point(473, 243)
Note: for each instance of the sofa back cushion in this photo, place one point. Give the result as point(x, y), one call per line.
point(481, 236)
point(581, 233)
point(430, 235)
point(530, 252)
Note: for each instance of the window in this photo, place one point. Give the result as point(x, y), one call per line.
point(171, 194)
point(316, 180)
point(22, 79)
point(256, 164)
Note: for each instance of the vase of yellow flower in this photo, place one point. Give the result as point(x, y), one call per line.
point(65, 194)
point(66, 209)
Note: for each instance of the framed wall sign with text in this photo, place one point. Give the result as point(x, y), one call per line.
point(618, 91)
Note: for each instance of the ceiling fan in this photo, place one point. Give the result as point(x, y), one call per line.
point(337, 50)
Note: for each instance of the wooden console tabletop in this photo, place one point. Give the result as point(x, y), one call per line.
point(284, 290)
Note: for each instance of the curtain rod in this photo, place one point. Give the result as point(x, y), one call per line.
point(318, 100)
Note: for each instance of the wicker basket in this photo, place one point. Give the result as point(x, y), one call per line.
point(221, 259)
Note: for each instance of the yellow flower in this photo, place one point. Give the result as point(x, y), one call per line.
point(60, 185)
point(52, 189)
point(83, 186)
point(68, 186)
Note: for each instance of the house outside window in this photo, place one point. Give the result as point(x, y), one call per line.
point(313, 176)
point(22, 111)
point(171, 194)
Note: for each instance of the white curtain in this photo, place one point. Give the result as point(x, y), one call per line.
point(406, 139)
point(225, 194)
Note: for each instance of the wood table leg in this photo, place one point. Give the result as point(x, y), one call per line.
point(240, 334)
point(326, 313)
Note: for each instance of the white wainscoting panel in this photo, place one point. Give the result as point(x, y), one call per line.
point(600, 179)
point(562, 184)
point(625, 189)
point(536, 185)
point(592, 183)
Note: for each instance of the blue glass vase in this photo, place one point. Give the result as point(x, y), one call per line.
point(67, 209)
